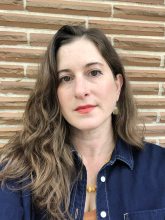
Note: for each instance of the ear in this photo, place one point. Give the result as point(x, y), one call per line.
point(118, 83)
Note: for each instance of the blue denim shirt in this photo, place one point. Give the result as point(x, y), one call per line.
point(131, 186)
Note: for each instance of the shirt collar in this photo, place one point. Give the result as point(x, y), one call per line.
point(123, 152)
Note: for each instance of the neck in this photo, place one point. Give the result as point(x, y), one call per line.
point(94, 144)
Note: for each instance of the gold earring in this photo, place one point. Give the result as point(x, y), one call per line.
point(116, 111)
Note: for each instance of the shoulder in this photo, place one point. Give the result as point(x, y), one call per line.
point(153, 149)
point(10, 202)
point(14, 202)
point(152, 156)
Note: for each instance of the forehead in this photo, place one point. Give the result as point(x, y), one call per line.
point(79, 52)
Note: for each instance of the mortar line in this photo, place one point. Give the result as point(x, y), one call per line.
point(158, 117)
point(87, 22)
point(112, 5)
point(24, 4)
point(25, 68)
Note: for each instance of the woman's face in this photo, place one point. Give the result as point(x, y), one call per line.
point(87, 90)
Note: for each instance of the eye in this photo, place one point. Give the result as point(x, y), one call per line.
point(65, 79)
point(95, 72)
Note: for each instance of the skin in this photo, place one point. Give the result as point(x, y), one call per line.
point(85, 78)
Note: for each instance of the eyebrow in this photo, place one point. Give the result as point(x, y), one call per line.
point(93, 63)
point(87, 65)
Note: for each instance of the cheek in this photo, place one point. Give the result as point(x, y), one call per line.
point(63, 100)
point(108, 91)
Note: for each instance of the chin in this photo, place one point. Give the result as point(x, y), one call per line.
point(86, 127)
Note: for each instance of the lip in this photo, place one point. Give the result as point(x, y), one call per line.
point(85, 109)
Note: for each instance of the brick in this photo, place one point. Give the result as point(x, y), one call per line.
point(153, 131)
point(145, 89)
point(140, 60)
point(69, 8)
point(159, 2)
point(148, 117)
point(21, 55)
point(38, 22)
point(162, 120)
point(1, 145)
point(11, 71)
point(110, 39)
point(32, 72)
point(162, 142)
point(151, 141)
point(150, 103)
point(142, 44)
point(12, 38)
point(128, 28)
point(6, 133)
point(23, 88)
point(41, 40)
point(146, 75)
point(163, 92)
point(11, 4)
point(11, 118)
point(13, 102)
point(139, 13)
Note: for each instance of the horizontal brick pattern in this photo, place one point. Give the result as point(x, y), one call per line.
point(11, 4)
point(69, 8)
point(11, 118)
point(162, 142)
point(21, 55)
point(33, 21)
point(136, 31)
point(16, 87)
point(11, 71)
point(10, 38)
point(140, 60)
point(146, 75)
point(144, 44)
point(148, 117)
point(13, 102)
point(139, 13)
point(161, 2)
point(128, 28)
point(7, 133)
point(40, 40)
point(150, 103)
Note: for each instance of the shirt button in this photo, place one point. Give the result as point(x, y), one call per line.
point(103, 214)
point(103, 179)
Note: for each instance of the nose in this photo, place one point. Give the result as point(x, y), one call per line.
point(81, 88)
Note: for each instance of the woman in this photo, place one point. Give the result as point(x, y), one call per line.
point(80, 153)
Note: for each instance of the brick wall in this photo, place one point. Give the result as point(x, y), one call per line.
point(136, 28)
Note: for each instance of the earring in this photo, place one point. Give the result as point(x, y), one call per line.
point(116, 111)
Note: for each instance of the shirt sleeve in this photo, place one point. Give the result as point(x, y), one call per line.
point(11, 204)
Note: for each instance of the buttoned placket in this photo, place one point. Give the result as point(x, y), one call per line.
point(102, 196)
point(102, 204)
point(79, 192)
point(78, 195)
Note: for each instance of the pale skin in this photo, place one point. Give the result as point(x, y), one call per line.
point(85, 78)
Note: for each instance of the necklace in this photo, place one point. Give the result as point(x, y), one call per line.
point(93, 189)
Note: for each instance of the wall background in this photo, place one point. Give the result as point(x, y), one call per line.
point(136, 28)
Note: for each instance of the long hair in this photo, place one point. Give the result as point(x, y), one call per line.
point(40, 151)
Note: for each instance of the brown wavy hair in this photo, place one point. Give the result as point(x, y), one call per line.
point(40, 150)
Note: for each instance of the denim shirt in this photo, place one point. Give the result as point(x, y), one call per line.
point(131, 186)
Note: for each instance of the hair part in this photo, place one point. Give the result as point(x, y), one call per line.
point(40, 151)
